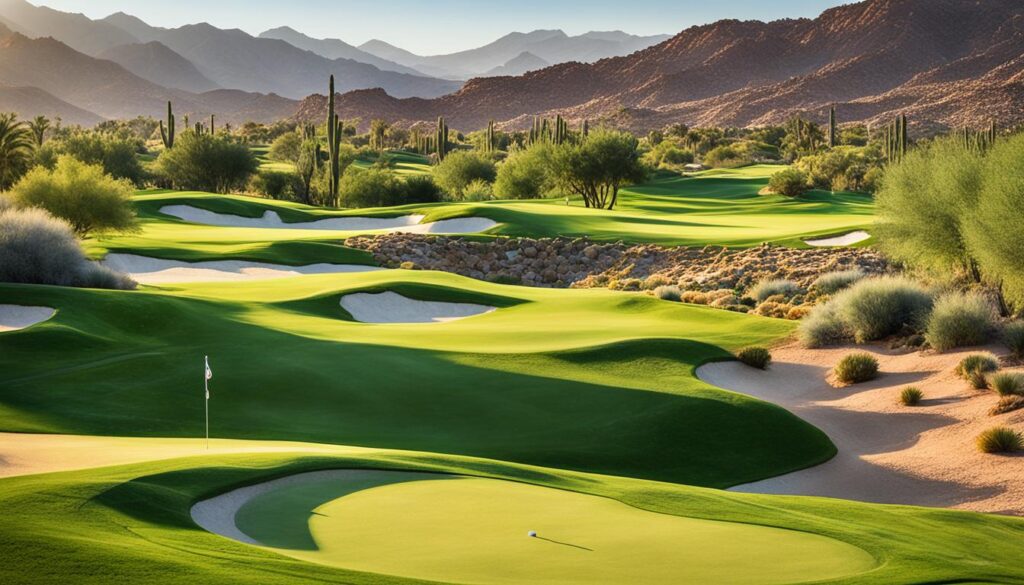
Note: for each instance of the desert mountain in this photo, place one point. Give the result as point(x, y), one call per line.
point(28, 102)
point(552, 46)
point(945, 62)
point(75, 30)
point(154, 61)
point(334, 49)
point(525, 62)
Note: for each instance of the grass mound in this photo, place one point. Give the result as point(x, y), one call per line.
point(856, 368)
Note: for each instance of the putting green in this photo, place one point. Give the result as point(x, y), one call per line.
point(475, 530)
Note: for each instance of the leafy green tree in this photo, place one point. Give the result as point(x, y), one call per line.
point(307, 166)
point(205, 162)
point(16, 145)
point(789, 182)
point(598, 167)
point(81, 194)
point(524, 174)
point(460, 168)
point(117, 155)
point(370, 188)
point(287, 147)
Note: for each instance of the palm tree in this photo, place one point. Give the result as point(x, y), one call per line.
point(16, 146)
point(39, 125)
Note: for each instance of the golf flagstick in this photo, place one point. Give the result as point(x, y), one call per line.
point(207, 374)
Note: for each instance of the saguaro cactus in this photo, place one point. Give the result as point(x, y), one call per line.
point(832, 127)
point(441, 138)
point(213, 126)
point(334, 131)
point(167, 134)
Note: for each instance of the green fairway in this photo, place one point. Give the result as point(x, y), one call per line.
point(133, 524)
point(409, 526)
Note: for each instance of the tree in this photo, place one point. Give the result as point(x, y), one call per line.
point(116, 155)
point(370, 188)
point(81, 194)
point(789, 182)
point(460, 168)
point(286, 148)
point(39, 125)
point(307, 166)
point(598, 167)
point(206, 162)
point(524, 175)
point(16, 147)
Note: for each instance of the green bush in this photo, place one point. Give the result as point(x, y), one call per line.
point(37, 248)
point(856, 368)
point(286, 148)
point(755, 357)
point(1007, 383)
point(370, 188)
point(203, 162)
point(960, 320)
point(1000, 440)
point(478, 190)
point(1013, 337)
point(823, 327)
point(832, 282)
point(911, 396)
point(279, 185)
point(460, 169)
point(875, 308)
point(668, 293)
point(524, 174)
point(766, 289)
point(116, 155)
point(789, 182)
point(422, 189)
point(80, 194)
point(975, 369)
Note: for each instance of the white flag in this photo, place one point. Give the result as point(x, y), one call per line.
point(209, 375)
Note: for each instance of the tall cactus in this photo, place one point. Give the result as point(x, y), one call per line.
point(586, 128)
point(441, 138)
point(167, 134)
point(832, 127)
point(490, 143)
point(334, 131)
point(213, 126)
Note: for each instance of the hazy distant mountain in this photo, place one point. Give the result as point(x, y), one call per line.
point(525, 62)
point(29, 102)
point(75, 30)
point(551, 46)
point(942, 62)
point(334, 49)
point(154, 61)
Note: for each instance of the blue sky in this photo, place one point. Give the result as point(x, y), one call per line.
point(442, 26)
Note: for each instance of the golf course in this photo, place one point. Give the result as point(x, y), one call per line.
point(372, 425)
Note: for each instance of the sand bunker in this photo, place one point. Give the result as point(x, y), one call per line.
point(14, 317)
point(474, 530)
point(405, 224)
point(148, 270)
point(843, 240)
point(391, 307)
point(888, 453)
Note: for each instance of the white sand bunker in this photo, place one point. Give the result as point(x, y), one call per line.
point(14, 317)
point(843, 240)
point(390, 307)
point(405, 224)
point(148, 270)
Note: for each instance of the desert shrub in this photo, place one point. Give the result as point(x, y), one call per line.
point(798, 313)
point(654, 281)
point(789, 182)
point(911, 396)
point(694, 297)
point(668, 293)
point(286, 147)
point(726, 301)
point(772, 309)
point(856, 368)
point(823, 327)
point(875, 308)
point(832, 282)
point(277, 185)
point(524, 174)
point(422, 189)
point(755, 357)
point(81, 194)
point(1007, 383)
point(115, 154)
point(1000, 440)
point(370, 188)
point(460, 169)
point(976, 367)
point(37, 248)
point(207, 163)
point(1013, 337)
point(1007, 404)
point(765, 289)
point(478, 190)
point(959, 320)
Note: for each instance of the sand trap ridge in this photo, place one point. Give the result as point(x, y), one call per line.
point(391, 307)
point(404, 224)
point(148, 270)
point(14, 317)
point(843, 240)
point(888, 453)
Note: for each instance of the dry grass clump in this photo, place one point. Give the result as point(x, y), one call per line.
point(1007, 383)
point(766, 289)
point(1007, 404)
point(911, 396)
point(694, 297)
point(856, 368)
point(833, 282)
point(871, 309)
point(1013, 337)
point(654, 281)
point(1000, 440)
point(755, 357)
point(976, 367)
point(960, 320)
point(668, 293)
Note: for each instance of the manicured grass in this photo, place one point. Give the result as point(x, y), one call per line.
point(591, 379)
point(132, 524)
